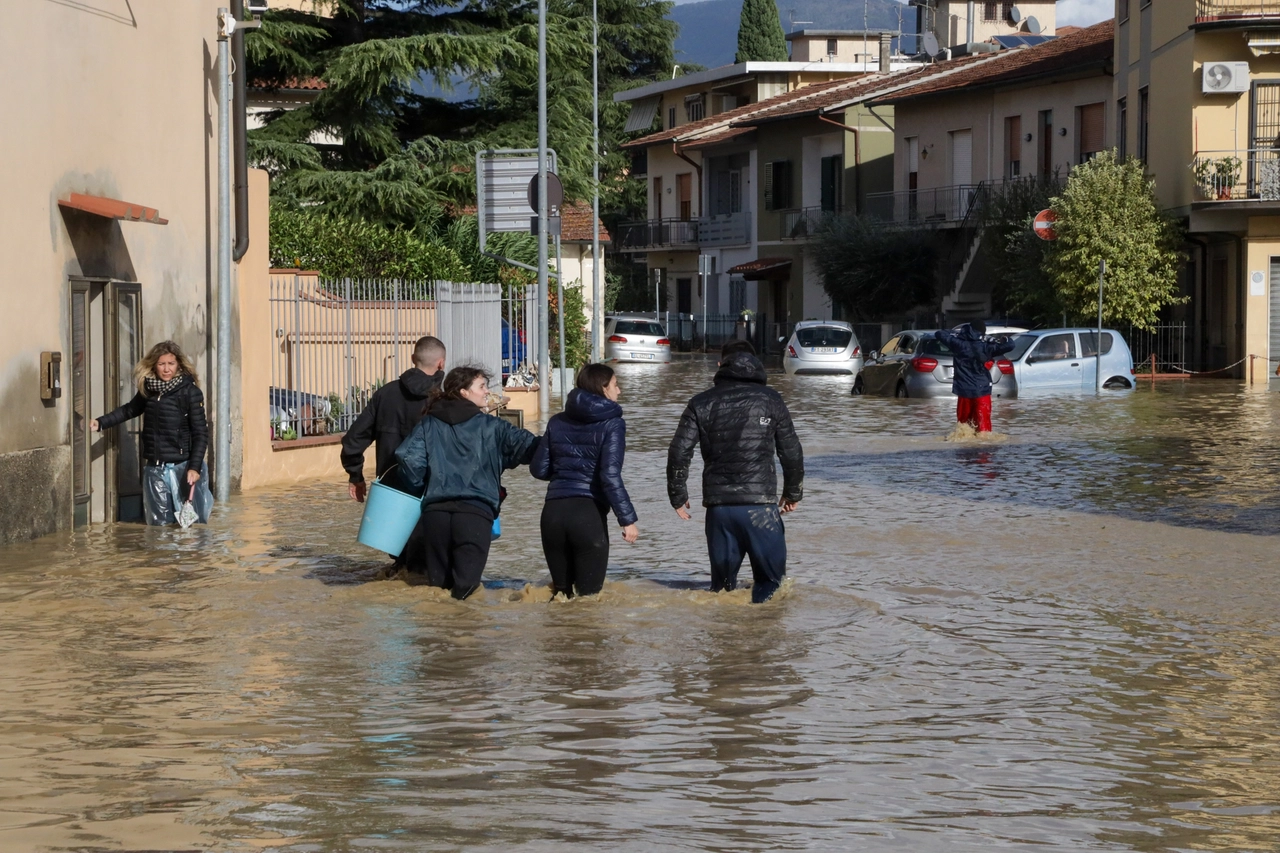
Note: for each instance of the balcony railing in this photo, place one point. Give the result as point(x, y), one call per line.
point(802, 224)
point(935, 205)
point(658, 234)
point(1210, 11)
point(729, 229)
point(1236, 175)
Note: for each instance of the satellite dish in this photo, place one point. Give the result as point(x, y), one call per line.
point(1015, 14)
point(930, 44)
point(1033, 26)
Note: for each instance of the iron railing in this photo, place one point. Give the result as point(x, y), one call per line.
point(931, 206)
point(336, 341)
point(1235, 174)
point(1168, 343)
point(1208, 11)
point(658, 234)
point(802, 224)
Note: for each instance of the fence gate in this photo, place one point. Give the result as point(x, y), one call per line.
point(469, 320)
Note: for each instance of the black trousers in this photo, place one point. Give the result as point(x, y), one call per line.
point(457, 546)
point(575, 539)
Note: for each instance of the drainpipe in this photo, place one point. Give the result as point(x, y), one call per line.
point(675, 149)
point(238, 130)
point(857, 159)
point(968, 27)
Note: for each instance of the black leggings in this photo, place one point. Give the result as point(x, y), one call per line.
point(457, 546)
point(575, 538)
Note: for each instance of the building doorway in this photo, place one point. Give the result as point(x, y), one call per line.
point(684, 296)
point(106, 342)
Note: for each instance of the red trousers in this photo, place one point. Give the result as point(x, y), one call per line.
point(975, 411)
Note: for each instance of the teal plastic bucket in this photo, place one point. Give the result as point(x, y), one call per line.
point(389, 518)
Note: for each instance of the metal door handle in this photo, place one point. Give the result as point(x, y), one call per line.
point(1075, 364)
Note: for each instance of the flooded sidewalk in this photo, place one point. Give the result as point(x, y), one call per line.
point(1065, 638)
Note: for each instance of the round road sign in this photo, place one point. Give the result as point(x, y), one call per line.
point(555, 192)
point(1042, 225)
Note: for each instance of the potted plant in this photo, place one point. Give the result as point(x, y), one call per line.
point(1226, 174)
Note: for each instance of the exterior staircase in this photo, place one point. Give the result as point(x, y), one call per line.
point(965, 303)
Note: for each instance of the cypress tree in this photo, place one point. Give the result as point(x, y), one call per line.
point(760, 36)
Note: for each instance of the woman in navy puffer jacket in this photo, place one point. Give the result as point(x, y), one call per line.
point(581, 454)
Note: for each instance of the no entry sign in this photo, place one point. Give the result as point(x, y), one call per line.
point(1042, 225)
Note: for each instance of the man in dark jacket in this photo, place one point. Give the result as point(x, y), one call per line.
point(740, 425)
point(971, 353)
point(391, 414)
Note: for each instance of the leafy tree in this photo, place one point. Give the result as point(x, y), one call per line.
point(341, 248)
point(577, 346)
point(1020, 287)
point(874, 270)
point(760, 36)
point(1108, 211)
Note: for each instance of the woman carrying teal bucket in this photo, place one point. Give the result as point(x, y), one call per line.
point(459, 453)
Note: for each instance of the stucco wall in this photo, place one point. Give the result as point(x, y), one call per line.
point(115, 99)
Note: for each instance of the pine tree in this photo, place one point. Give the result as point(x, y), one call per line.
point(760, 36)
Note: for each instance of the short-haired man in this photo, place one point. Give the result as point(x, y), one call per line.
point(391, 414)
point(971, 351)
point(740, 424)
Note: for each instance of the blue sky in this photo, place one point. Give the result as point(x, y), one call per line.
point(1081, 13)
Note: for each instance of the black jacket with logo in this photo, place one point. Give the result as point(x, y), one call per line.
point(740, 425)
point(174, 427)
point(392, 413)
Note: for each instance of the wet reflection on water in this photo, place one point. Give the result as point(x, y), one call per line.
point(1062, 639)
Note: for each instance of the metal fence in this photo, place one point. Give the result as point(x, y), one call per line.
point(1168, 343)
point(336, 341)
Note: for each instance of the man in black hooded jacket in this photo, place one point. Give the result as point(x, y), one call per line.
point(391, 414)
point(740, 424)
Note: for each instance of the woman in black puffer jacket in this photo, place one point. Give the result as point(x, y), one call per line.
point(175, 434)
point(581, 454)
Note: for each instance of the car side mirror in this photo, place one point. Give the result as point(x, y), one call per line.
point(782, 340)
point(873, 355)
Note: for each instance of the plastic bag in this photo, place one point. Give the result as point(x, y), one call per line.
point(165, 490)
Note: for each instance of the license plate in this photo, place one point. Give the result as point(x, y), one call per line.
point(824, 349)
point(642, 355)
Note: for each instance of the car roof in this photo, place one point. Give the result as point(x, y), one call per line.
point(1043, 332)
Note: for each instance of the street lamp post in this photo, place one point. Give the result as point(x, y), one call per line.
point(222, 421)
point(544, 332)
point(597, 319)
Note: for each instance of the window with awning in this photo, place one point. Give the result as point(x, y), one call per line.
point(1092, 131)
point(641, 115)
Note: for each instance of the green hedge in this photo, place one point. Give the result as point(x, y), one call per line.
point(353, 248)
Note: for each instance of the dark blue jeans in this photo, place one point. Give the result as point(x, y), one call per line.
point(753, 530)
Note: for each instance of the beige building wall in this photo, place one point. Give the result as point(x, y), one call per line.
point(952, 21)
point(111, 99)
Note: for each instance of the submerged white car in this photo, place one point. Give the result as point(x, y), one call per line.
point(822, 346)
point(1067, 360)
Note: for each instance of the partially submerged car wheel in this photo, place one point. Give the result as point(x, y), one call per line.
point(901, 390)
point(1117, 382)
point(857, 387)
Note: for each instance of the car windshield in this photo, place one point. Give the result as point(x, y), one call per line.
point(824, 336)
point(1021, 344)
point(637, 327)
point(933, 346)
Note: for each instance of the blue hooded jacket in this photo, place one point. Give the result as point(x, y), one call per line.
point(459, 453)
point(581, 454)
point(970, 354)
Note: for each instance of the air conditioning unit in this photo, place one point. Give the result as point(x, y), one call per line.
point(1222, 77)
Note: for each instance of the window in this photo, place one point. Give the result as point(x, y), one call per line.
point(1123, 11)
point(1013, 146)
point(657, 197)
point(777, 185)
point(1054, 348)
point(996, 12)
point(1089, 343)
point(695, 108)
point(831, 48)
point(671, 117)
point(1122, 127)
point(824, 336)
point(832, 180)
point(891, 347)
point(637, 327)
point(1144, 113)
point(684, 195)
point(1044, 162)
point(1089, 133)
point(930, 346)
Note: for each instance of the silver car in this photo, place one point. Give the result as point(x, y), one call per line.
point(822, 346)
point(635, 337)
point(915, 364)
point(1067, 360)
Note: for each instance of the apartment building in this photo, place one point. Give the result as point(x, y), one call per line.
point(1197, 98)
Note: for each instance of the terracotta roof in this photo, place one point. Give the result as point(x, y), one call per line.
point(722, 120)
point(575, 224)
point(719, 137)
point(1071, 52)
point(313, 84)
point(113, 208)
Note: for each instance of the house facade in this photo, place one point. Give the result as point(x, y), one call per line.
point(110, 230)
point(1197, 98)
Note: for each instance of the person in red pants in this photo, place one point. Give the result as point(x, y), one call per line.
point(971, 351)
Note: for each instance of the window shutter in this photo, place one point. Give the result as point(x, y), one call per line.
point(1091, 130)
point(768, 186)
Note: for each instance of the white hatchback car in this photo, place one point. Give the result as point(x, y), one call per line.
point(635, 337)
point(822, 346)
point(1067, 360)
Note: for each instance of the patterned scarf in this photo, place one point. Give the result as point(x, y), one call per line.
point(155, 386)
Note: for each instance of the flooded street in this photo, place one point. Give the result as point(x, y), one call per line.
point(1066, 638)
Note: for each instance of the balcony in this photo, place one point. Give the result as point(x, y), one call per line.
point(650, 234)
point(729, 229)
point(932, 206)
point(1238, 175)
point(802, 224)
point(1231, 13)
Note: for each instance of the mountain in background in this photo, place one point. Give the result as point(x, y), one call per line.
point(709, 29)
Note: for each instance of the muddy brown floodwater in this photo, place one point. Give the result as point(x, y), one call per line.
point(1062, 639)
